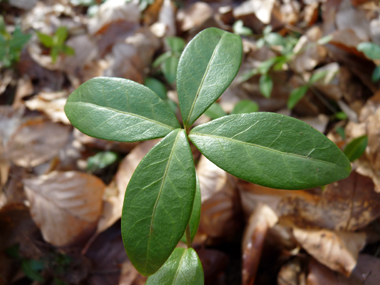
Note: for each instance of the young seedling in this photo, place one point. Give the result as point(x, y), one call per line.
point(162, 200)
point(56, 43)
point(11, 45)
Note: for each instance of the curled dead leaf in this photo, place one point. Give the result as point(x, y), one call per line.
point(260, 221)
point(66, 206)
point(337, 250)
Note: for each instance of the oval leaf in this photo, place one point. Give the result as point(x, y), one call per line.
point(169, 68)
point(371, 50)
point(157, 86)
point(206, 68)
point(158, 203)
point(182, 267)
point(215, 111)
point(356, 148)
point(296, 95)
point(245, 106)
point(195, 213)
point(271, 150)
point(266, 85)
point(120, 110)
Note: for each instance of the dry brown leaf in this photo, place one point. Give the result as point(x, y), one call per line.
point(212, 179)
point(354, 19)
point(24, 88)
point(375, 30)
point(368, 164)
point(348, 205)
point(194, 16)
point(337, 250)
point(214, 263)
point(221, 215)
point(114, 193)
point(52, 104)
point(309, 54)
point(262, 9)
point(167, 18)
point(113, 11)
point(260, 221)
point(66, 206)
point(292, 273)
point(36, 142)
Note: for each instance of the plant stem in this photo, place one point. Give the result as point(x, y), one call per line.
point(188, 236)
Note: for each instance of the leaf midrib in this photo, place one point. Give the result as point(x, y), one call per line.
point(269, 149)
point(158, 198)
point(122, 112)
point(179, 266)
point(203, 79)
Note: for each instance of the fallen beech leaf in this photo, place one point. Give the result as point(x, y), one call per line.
point(337, 250)
point(212, 179)
point(24, 88)
point(37, 141)
point(349, 204)
point(309, 53)
point(262, 9)
point(113, 11)
point(66, 206)
point(253, 241)
point(114, 193)
point(51, 104)
point(352, 18)
point(194, 15)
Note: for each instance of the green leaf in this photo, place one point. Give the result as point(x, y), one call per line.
point(60, 36)
point(325, 40)
point(45, 39)
point(356, 148)
point(275, 39)
point(182, 267)
point(215, 111)
point(296, 95)
point(156, 86)
point(267, 30)
point(266, 85)
point(247, 75)
point(376, 74)
point(175, 44)
point(371, 50)
point(68, 50)
point(101, 160)
point(119, 110)
point(239, 29)
point(158, 203)
point(266, 65)
point(340, 131)
point(272, 150)
point(317, 76)
point(54, 52)
point(29, 270)
point(19, 40)
point(169, 69)
point(341, 115)
point(245, 106)
point(207, 67)
point(161, 59)
point(195, 213)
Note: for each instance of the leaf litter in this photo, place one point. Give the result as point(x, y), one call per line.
point(52, 207)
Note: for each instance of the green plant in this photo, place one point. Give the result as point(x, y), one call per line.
point(56, 43)
point(162, 200)
point(372, 51)
point(168, 61)
point(11, 45)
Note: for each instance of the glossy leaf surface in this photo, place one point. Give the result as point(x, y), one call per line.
point(356, 148)
point(158, 203)
point(272, 150)
point(206, 68)
point(195, 213)
point(182, 267)
point(119, 110)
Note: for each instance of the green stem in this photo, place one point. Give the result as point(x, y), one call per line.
point(188, 236)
